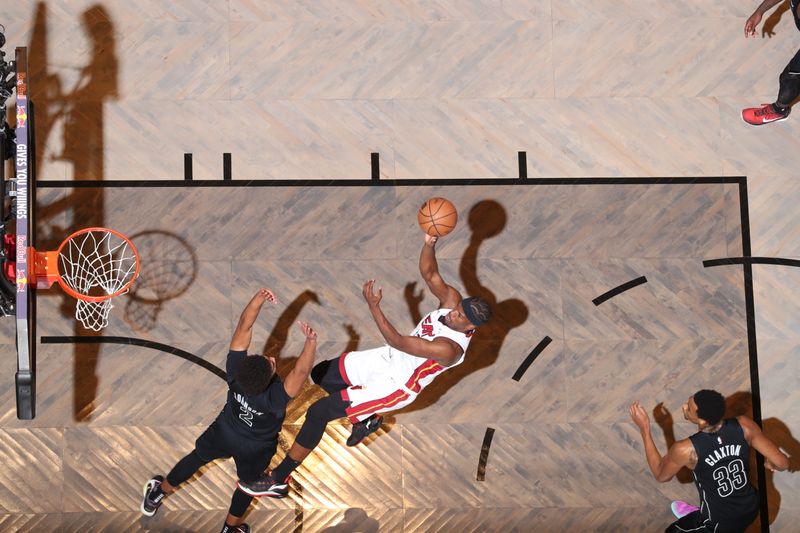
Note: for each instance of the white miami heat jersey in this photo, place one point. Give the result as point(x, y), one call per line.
point(420, 372)
point(384, 379)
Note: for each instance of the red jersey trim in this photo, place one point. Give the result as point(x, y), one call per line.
point(424, 370)
point(342, 370)
point(373, 406)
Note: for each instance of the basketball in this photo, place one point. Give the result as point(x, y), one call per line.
point(437, 217)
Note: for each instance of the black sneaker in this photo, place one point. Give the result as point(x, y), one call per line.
point(264, 485)
point(153, 497)
point(364, 428)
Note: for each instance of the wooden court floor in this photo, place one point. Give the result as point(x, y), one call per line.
point(563, 454)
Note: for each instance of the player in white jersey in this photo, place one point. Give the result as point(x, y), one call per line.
point(363, 384)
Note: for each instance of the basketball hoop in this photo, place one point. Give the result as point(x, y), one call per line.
point(93, 265)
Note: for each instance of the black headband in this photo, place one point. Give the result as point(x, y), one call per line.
point(466, 303)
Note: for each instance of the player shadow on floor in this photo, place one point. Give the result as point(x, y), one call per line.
point(355, 520)
point(663, 418)
point(80, 113)
point(768, 28)
point(741, 403)
point(276, 343)
point(486, 220)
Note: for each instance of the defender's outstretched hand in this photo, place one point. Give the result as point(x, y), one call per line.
point(372, 298)
point(266, 295)
point(751, 24)
point(310, 334)
point(639, 416)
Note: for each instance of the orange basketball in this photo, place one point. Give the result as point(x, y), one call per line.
point(437, 217)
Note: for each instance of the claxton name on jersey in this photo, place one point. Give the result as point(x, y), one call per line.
point(720, 453)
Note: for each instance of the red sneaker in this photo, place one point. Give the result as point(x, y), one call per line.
point(763, 115)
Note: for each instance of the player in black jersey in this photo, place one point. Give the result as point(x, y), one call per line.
point(718, 455)
point(247, 428)
point(789, 79)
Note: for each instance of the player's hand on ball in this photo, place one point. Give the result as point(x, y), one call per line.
point(310, 334)
point(371, 297)
point(430, 240)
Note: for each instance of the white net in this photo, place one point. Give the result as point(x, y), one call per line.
point(93, 315)
point(97, 263)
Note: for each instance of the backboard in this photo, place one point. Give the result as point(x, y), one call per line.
point(22, 208)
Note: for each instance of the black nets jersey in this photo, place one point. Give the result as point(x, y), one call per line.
point(726, 496)
point(254, 417)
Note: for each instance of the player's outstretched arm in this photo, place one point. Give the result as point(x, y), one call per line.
point(442, 350)
point(774, 458)
point(244, 329)
point(305, 362)
point(429, 269)
point(679, 454)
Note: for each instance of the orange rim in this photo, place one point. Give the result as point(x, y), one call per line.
point(85, 297)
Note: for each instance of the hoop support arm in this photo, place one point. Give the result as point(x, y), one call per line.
point(44, 268)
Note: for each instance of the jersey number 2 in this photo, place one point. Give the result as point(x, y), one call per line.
point(246, 416)
point(731, 477)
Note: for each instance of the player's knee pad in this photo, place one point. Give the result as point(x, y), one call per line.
point(319, 371)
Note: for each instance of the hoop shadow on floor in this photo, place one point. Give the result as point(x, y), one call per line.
point(168, 269)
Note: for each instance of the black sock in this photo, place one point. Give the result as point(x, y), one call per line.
point(778, 108)
point(283, 470)
point(227, 529)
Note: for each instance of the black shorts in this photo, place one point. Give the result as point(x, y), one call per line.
point(697, 523)
point(252, 457)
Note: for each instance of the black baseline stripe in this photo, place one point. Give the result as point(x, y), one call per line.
point(751, 261)
point(187, 167)
point(226, 167)
point(413, 182)
point(375, 164)
point(487, 443)
point(522, 160)
point(138, 342)
point(619, 290)
point(752, 345)
point(531, 357)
